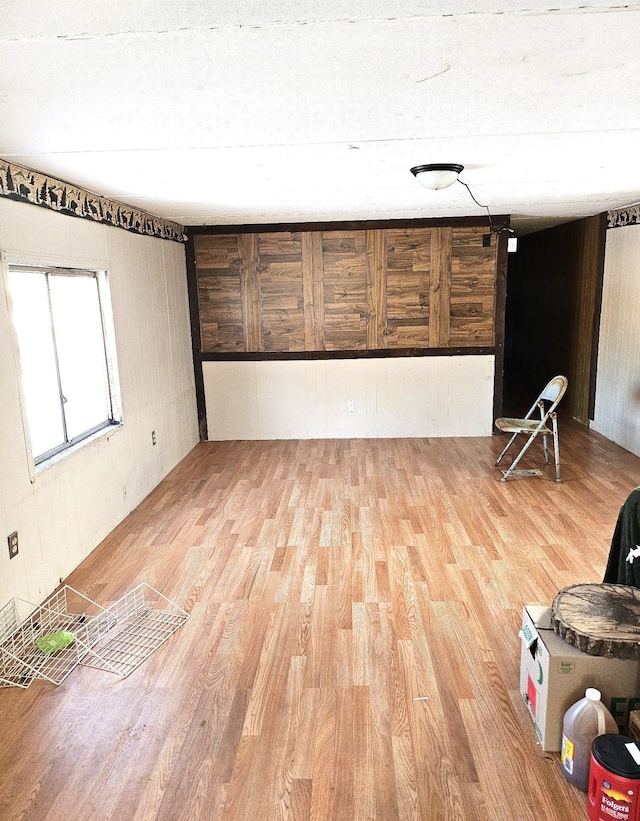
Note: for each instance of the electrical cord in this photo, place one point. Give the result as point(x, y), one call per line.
point(493, 230)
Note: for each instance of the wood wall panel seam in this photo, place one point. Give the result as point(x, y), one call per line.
point(445, 285)
point(382, 353)
point(196, 336)
point(346, 225)
point(250, 291)
point(376, 288)
point(317, 272)
point(308, 291)
point(440, 288)
point(499, 314)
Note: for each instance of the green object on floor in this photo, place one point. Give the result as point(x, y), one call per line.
point(54, 641)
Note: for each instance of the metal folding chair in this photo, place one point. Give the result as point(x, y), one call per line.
point(533, 426)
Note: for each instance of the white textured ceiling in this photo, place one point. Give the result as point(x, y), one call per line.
point(230, 112)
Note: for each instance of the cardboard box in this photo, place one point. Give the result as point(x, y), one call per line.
point(554, 675)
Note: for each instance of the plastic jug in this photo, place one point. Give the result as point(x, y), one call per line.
point(582, 723)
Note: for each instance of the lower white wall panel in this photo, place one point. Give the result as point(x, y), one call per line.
point(617, 411)
point(309, 399)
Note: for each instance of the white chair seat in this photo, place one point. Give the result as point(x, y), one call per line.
point(520, 425)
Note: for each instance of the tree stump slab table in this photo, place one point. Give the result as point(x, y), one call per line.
point(599, 619)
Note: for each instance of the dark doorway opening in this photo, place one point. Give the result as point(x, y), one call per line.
point(554, 292)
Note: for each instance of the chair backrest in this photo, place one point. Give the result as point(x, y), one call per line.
point(554, 391)
point(552, 394)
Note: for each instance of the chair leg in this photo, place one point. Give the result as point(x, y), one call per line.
point(509, 443)
point(546, 449)
point(556, 446)
point(518, 458)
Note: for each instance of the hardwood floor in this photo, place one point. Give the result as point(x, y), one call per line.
point(352, 651)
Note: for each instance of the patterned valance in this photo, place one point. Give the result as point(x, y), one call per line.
point(624, 216)
point(22, 184)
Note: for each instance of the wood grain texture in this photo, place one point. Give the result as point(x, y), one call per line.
point(313, 287)
point(251, 292)
point(367, 289)
point(473, 283)
point(408, 265)
point(218, 273)
point(352, 651)
point(555, 284)
point(376, 284)
point(345, 290)
point(440, 287)
point(599, 619)
point(281, 291)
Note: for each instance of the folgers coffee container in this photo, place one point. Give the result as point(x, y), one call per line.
point(614, 779)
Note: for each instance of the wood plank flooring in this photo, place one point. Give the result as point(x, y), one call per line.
point(352, 652)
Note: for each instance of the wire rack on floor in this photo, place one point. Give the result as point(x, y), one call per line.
point(130, 630)
point(23, 623)
point(117, 638)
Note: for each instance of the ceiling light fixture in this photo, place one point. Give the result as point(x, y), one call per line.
point(442, 175)
point(437, 175)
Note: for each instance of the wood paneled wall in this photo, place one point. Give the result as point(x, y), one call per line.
point(555, 290)
point(351, 289)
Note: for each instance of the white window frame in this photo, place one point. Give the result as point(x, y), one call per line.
point(114, 420)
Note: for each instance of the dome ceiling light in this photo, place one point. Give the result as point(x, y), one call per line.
point(437, 175)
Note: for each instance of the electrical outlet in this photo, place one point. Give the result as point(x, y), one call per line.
point(351, 405)
point(13, 544)
point(153, 437)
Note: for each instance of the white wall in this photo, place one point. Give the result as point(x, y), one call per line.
point(72, 505)
point(617, 411)
point(308, 399)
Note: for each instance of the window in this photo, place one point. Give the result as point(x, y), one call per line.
point(65, 337)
